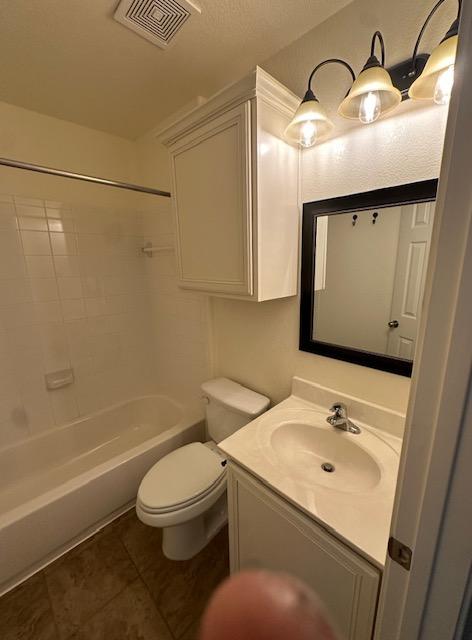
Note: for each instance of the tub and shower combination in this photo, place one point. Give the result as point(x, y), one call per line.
point(59, 487)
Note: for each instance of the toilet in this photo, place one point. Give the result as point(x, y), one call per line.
point(184, 493)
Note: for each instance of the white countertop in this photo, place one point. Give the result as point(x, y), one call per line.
point(359, 516)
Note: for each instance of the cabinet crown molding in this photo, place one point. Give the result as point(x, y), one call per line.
point(258, 84)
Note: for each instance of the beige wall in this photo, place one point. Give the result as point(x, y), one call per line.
point(257, 344)
point(153, 162)
point(34, 137)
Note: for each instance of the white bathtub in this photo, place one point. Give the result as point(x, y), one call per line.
point(60, 487)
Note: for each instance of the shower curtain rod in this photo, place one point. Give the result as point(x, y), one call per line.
point(16, 164)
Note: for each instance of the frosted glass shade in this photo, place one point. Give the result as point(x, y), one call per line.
point(309, 111)
point(374, 79)
point(444, 56)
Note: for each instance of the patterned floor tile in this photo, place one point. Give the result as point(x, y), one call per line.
point(143, 543)
point(25, 612)
point(85, 579)
point(130, 616)
point(181, 590)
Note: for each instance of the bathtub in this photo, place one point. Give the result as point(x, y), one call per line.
point(60, 487)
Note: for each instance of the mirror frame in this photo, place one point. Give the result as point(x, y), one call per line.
point(412, 193)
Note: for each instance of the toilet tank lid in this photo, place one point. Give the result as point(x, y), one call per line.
point(235, 396)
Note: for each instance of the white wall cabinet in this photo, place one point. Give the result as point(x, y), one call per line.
point(267, 532)
point(235, 192)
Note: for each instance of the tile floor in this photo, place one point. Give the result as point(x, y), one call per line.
point(116, 586)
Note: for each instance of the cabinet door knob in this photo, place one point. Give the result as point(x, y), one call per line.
point(393, 324)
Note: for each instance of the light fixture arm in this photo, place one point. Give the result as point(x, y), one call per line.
point(378, 36)
point(330, 61)
point(423, 29)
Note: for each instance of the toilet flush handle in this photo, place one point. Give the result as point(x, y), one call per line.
point(205, 399)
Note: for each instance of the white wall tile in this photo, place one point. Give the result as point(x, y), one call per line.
point(14, 291)
point(35, 243)
point(32, 223)
point(66, 266)
point(61, 224)
point(9, 401)
point(64, 405)
point(18, 315)
point(92, 286)
point(24, 339)
point(75, 290)
point(39, 266)
point(29, 207)
point(70, 288)
point(12, 261)
point(44, 289)
point(73, 309)
point(64, 244)
point(14, 429)
point(95, 307)
point(38, 410)
point(54, 347)
point(7, 216)
point(57, 209)
point(47, 312)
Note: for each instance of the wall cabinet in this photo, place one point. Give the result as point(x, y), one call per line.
point(235, 191)
point(267, 532)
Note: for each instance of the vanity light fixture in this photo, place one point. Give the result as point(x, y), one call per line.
point(311, 122)
point(378, 90)
point(437, 78)
point(372, 94)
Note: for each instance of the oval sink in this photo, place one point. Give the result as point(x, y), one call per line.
point(325, 457)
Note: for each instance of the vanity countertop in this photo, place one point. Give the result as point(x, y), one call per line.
point(284, 448)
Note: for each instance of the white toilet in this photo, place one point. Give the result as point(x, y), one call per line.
point(185, 492)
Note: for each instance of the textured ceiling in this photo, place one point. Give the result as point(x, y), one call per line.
point(71, 60)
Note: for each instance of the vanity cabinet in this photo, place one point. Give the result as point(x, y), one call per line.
point(234, 187)
point(267, 532)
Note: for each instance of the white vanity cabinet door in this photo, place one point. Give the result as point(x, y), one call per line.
point(266, 532)
point(211, 170)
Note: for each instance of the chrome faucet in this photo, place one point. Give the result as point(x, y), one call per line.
point(339, 419)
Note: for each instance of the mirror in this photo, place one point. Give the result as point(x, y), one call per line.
point(364, 260)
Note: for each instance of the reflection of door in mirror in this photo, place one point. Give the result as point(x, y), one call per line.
point(369, 278)
point(413, 249)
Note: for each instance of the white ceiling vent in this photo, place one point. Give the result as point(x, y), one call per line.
point(156, 20)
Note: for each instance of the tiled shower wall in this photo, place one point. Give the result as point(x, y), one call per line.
point(76, 291)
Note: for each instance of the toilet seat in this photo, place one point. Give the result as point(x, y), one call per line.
point(181, 479)
point(189, 503)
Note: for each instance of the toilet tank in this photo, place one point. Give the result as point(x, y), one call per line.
point(230, 406)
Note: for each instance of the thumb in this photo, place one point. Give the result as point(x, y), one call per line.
point(258, 605)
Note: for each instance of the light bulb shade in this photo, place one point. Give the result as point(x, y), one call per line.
point(370, 80)
point(443, 56)
point(309, 111)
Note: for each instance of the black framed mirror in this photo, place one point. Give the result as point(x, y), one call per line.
point(364, 259)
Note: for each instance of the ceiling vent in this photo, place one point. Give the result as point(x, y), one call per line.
point(156, 20)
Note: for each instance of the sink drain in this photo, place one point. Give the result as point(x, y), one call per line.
point(328, 467)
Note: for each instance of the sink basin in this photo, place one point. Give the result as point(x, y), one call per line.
point(345, 481)
point(323, 456)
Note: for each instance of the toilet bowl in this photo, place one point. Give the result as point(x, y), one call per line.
point(184, 493)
